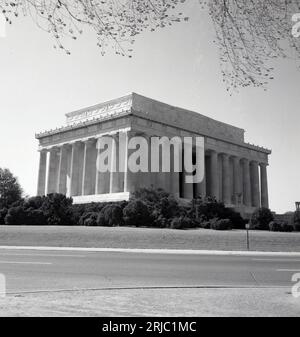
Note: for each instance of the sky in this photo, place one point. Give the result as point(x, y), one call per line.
point(177, 65)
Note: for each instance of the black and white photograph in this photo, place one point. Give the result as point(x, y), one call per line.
point(149, 161)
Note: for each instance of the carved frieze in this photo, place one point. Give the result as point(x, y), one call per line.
point(101, 110)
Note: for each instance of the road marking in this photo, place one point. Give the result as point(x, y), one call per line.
point(293, 270)
point(38, 255)
point(277, 260)
point(23, 262)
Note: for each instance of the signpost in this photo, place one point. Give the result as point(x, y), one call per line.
point(247, 230)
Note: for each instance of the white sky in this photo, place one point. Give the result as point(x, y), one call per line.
point(177, 65)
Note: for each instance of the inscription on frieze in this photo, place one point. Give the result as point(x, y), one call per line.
point(102, 110)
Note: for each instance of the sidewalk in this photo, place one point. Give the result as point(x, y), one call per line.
point(158, 302)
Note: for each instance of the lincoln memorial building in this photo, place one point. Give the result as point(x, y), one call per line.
point(235, 171)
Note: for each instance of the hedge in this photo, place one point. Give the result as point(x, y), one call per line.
point(147, 208)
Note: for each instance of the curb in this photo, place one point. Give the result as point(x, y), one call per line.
point(155, 251)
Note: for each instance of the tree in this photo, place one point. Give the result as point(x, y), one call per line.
point(249, 34)
point(261, 218)
point(115, 22)
point(10, 189)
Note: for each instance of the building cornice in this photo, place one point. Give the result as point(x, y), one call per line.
point(134, 104)
point(82, 124)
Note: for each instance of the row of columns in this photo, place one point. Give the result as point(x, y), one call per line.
point(71, 169)
point(237, 181)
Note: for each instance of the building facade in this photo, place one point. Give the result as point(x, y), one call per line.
point(235, 171)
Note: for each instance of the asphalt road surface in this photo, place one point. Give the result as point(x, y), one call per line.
point(34, 271)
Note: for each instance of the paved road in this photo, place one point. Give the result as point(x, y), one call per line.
point(31, 270)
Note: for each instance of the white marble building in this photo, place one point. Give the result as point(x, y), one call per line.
point(235, 171)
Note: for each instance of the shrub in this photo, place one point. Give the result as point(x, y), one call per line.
point(236, 219)
point(22, 216)
point(88, 219)
point(34, 202)
point(181, 222)
point(287, 228)
point(53, 209)
point(159, 221)
point(3, 213)
point(261, 218)
point(136, 213)
point(296, 227)
point(34, 217)
point(150, 195)
point(205, 224)
point(162, 206)
point(275, 226)
point(57, 209)
point(110, 215)
point(15, 216)
point(209, 208)
point(91, 219)
point(221, 224)
point(280, 226)
point(296, 221)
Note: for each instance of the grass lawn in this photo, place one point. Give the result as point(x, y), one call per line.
point(124, 237)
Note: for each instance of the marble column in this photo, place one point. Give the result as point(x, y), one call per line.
point(200, 188)
point(254, 184)
point(118, 176)
point(89, 167)
point(164, 180)
point(102, 178)
point(53, 171)
point(246, 183)
point(264, 185)
point(63, 169)
point(150, 178)
point(226, 179)
point(42, 173)
point(214, 175)
point(175, 159)
point(187, 188)
point(129, 181)
point(98, 176)
point(113, 180)
point(236, 180)
point(76, 169)
point(141, 176)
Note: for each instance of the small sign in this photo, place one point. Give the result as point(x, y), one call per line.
point(247, 226)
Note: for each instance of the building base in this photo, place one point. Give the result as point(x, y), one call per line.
point(107, 197)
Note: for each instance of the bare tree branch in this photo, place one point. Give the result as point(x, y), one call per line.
point(249, 33)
